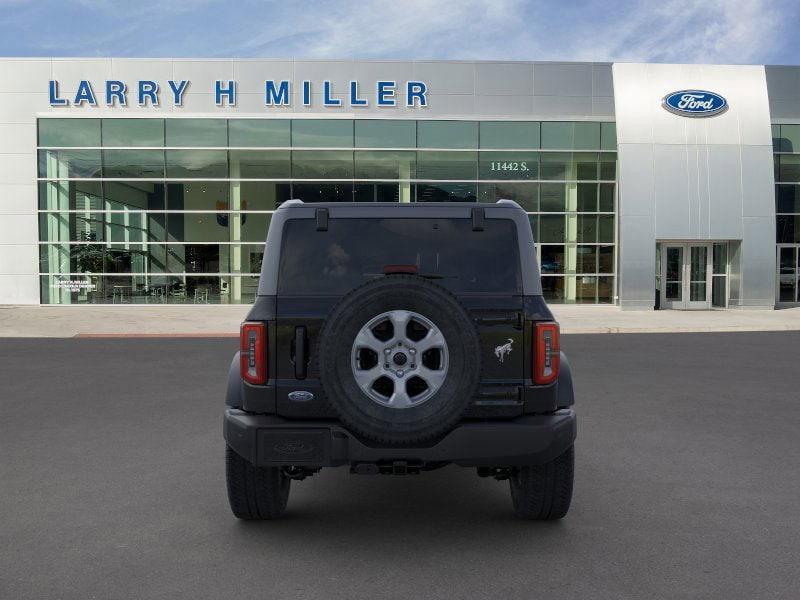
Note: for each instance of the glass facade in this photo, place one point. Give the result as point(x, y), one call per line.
point(176, 210)
point(786, 148)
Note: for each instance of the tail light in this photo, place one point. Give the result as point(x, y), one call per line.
point(546, 353)
point(253, 352)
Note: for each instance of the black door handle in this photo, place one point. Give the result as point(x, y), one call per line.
point(300, 353)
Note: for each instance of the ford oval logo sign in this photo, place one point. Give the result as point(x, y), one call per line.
point(695, 103)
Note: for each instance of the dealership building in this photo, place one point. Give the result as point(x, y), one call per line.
point(153, 181)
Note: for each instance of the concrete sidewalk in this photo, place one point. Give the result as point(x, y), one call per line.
point(223, 320)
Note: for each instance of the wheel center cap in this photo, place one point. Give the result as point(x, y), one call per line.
point(399, 359)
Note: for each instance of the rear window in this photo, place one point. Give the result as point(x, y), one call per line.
point(353, 251)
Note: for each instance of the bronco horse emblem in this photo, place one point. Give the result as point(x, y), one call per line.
point(501, 351)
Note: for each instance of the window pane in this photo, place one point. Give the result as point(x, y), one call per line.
point(606, 197)
point(254, 227)
point(605, 232)
point(509, 165)
point(447, 165)
point(197, 132)
point(509, 134)
point(261, 195)
point(587, 229)
point(447, 134)
point(69, 132)
point(133, 195)
point(76, 227)
point(198, 195)
point(585, 166)
point(70, 195)
point(557, 135)
point(587, 197)
point(720, 263)
point(790, 138)
point(556, 165)
point(553, 197)
point(71, 258)
point(379, 133)
point(446, 192)
point(789, 170)
point(605, 259)
point(466, 260)
point(787, 263)
point(134, 258)
point(605, 290)
point(552, 229)
point(259, 133)
point(534, 221)
point(608, 136)
point(134, 226)
point(553, 289)
point(62, 164)
point(215, 258)
point(322, 133)
point(323, 192)
point(133, 132)
point(385, 165)
point(776, 138)
point(260, 164)
point(552, 259)
point(788, 229)
point(586, 289)
point(524, 194)
point(132, 164)
point(787, 198)
point(608, 166)
point(384, 192)
point(322, 164)
point(197, 163)
point(587, 136)
point(199, 227)
point(586, 259)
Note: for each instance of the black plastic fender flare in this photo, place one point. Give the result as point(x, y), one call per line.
point(566, 394)
point(233, 394)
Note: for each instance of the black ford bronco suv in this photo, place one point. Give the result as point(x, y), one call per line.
point(399, 338)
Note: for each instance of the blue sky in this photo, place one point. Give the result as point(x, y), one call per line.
point(712, 31)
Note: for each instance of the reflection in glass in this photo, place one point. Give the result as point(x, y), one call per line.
point(198, 164)
point(384, 133)
point(509, 134)
point(65, 133)
point(447, 192)
point(524, 194)
point(447, 134)
point(322, 133)
point(447, 165)
point(133, 164)
point(198, 195)
point(260, 164)
point(197, 133)
point(322, 164)
point(255, 133)
point(385, 165)
point(133, 132)
point(64, 164)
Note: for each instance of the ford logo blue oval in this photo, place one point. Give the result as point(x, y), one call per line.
point(301, 396)
point(695, 103)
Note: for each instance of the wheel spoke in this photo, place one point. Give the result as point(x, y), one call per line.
point(400, 398)
point(433, 339)
point(367, 377)
point(434, 378)
point(367, 339)
point(399, 319)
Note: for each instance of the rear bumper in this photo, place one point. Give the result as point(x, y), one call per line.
point(266, 440)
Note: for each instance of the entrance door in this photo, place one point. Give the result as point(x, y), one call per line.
point(686, 275)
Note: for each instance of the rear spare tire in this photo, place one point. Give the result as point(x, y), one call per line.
point(399, 360)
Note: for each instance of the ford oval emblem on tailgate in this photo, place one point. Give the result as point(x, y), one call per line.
point(301, 396)
point(695, 103)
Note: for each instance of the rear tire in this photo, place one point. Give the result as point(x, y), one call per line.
point(544, 492)
point(255, 493)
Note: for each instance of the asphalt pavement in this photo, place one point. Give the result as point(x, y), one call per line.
point(687, 485)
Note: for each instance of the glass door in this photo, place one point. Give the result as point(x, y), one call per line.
point(686, 275)
point(673, 271)
point(788, 275)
